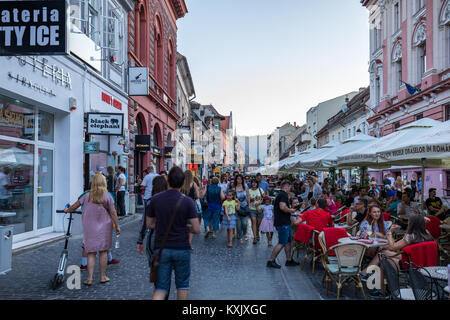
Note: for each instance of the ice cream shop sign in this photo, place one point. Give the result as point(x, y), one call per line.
point(33, 27)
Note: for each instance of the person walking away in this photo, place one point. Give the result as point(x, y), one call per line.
point(98, 217)
point(147, 184)
point(230, 206)
point(256, 215)
point(267, 222)
point(242, 195)
point(198, 202)
point(111, 181)
point(282, 223)
point(176, 254)
point(120, 189)
point(190, 189)
point(214, 196)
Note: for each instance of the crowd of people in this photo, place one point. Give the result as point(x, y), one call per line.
point(176, 203)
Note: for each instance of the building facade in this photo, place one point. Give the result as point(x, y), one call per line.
point(152, 43)
point(410, 43)
point(317, 117)
point(44, 102)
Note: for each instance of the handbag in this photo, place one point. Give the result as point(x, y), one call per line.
point(155, 259)
point(258, 208)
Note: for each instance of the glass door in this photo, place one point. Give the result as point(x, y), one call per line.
point(45, 190)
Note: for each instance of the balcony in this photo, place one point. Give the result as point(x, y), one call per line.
point(306, 137)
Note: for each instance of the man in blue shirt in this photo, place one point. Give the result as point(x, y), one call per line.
point(262, 184)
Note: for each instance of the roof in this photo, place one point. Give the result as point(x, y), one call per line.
point(214, 111)
point(225, 124)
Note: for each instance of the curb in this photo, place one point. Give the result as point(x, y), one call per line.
point(123, 222)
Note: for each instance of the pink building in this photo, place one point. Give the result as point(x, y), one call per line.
point(410, 42)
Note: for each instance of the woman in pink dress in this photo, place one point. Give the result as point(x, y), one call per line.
point(97, 219)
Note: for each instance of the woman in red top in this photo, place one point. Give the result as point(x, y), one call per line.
point(318, 218)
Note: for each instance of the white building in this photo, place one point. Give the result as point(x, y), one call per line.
point(43, 105)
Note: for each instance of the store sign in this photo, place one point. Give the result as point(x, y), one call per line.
point(111, 101)
point(105, 123)
point(168, 152)
point(33, 28)
point(142, 142)
point(193, 167)
point(92, 147)
point(138, 81)
point(156, 151)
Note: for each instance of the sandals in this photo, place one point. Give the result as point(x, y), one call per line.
point(229, 245)
point(105, 281)
point(88, 282)
point(255, 241)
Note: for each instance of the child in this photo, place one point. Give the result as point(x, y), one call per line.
point(267, 222)
point(294, 203)
point(230, 206)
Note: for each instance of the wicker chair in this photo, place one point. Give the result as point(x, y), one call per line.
point(348, 267)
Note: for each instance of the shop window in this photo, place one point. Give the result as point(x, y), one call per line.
point(16, 185)
point(46, 127)
point(16, 119)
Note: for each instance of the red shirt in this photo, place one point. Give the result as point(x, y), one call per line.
point(317, 218)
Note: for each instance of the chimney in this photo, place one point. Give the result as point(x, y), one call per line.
point(295, 124)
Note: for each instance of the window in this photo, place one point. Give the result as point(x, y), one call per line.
point(422, 51)
point(447, 112)
point(399, 74)
point(92, 23)
point(397, 125)
point(376, 40)
point(84, 14)
point(349, 133)
point(363, 126)
point(354, 131)
point(419, 4)
point(419, 116)
point(397, 17)
point(343, 134)
point(377, 92)
point(332, 137)
point(113, 30)
point(339, 136)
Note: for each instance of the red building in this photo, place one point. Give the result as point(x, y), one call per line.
point(152, 43)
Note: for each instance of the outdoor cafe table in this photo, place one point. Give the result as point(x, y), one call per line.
point(376, 243)
point(439, 273)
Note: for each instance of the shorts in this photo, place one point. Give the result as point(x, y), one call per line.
point(180, 262)
point(255, 213)
point(284, 234)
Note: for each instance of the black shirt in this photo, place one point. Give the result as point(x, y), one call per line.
point(161, 207)
point(436, 203)
point(281, 218)
point(387, 182)
point(360, 217)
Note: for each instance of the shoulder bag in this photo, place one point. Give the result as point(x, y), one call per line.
point(155, 259)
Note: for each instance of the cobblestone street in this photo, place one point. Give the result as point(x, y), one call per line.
point(218, 272)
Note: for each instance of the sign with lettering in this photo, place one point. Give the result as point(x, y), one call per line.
point(138, 81)
point(111, 101)
point(91, 147)
point(142, 142)
point(105, 123)
point(33, 28)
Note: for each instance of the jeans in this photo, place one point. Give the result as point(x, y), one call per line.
point(121, 203)
point(241, 224)
point(180, 262)
point(211, 215)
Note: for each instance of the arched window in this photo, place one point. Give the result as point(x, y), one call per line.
point(171, 79)
point(445, 23)
point(141, 34)
point(159, 52)
point(397, 66)
point(419, 42)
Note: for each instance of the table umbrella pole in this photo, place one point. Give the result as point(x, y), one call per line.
point(423, 181)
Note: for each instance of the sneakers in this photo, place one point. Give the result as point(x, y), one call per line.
point(273, 264)
point(114, 261)
point(292, 263)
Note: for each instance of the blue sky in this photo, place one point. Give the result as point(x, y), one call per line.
point(270, 61)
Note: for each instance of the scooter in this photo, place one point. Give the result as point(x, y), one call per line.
point(58, 278)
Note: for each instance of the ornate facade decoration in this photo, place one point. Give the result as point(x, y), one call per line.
point(397, 52)
point(420, 34)
point(445, 13)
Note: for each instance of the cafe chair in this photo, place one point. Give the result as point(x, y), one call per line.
point(328, 238)
point(341, 215)
point(423, 287)
point(348, 267)
point(424, 254)
point(392, 278)
point(434, 228)
point(307, 237)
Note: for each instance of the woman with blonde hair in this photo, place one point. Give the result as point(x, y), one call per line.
point(98, 217)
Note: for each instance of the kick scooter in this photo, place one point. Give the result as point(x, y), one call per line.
point(58, 278)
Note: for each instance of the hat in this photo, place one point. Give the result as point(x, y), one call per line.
point(267, 198)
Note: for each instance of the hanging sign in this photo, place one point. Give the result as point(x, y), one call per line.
point(33, 28)
point(138, 81)
point(91, 147)
point(142, 142)
point(105, 123)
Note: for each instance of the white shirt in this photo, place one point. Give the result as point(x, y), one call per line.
point(124, 181)
point(148, 184)
point(392, 181)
